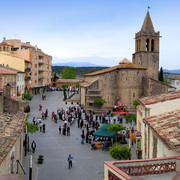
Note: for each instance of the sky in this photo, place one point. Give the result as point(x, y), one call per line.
point(98, 31)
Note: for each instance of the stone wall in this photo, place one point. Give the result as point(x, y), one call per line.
point(1, 101)
point(9, 164)
point(154, 87)
point(13, 105)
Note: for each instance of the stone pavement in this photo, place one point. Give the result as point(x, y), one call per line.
point(88, 164)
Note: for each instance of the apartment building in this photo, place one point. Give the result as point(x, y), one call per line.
point(34, 62)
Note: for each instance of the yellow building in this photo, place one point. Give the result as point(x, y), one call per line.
point(34, 62)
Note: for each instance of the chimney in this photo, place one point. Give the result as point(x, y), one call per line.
point(4, 38)
point(27, 42)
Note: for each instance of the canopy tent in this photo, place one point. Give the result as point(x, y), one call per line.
point(103, 132)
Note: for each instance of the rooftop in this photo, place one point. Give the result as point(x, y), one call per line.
point(159, 98)
point(120, 66)
point(11, 126)
point(167, 127)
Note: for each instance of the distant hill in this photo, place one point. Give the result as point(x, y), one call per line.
point(80, 71)
point(172, 71)
point(76, 64)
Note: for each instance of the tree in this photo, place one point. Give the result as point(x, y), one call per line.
point(64, 91)
point(120, 153)
point(136, 103)
point(114, 128)
point(99, 101)
point(55, 78)
point(68, 73)
point(30, 126)
point(161, 75)
point(130, 118)
point(28, 96)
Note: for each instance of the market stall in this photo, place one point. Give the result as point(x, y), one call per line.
point(103, 132)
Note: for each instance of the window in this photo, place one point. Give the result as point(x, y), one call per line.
point(35, 81)
point(152, 45)
point(147, 45)
point(90, 104)
point(17, 78)
point(47, 80)
point(35, 73)
point(7, 79)
point(133, 94)
point(178, 83)
point(30, 73)
point(35, 65)
point(35, 57)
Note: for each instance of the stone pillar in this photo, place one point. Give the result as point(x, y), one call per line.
point(7, 91)
point(1, 101)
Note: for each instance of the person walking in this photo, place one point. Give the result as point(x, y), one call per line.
point(59, 129)
point(70, 161)
point(33, 146)
point(40, 126)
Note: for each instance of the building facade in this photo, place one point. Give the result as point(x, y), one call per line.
point(29, 59)
point(158, 121)
point(127, 81)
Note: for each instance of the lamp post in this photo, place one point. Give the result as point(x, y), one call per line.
point(30, 167)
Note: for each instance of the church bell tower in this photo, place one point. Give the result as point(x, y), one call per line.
point(147, 48)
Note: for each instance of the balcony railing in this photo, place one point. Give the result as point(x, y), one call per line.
point(40, 84)
point(40, 77)
point(12, 83)
point(41, 62)
point(41, 69)
point(27, 77)
point(27, 69)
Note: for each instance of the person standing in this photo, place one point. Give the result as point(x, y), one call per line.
point(40, 126)
point(33, 146)
point(70, 161)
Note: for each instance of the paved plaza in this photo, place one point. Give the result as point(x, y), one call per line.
point(88, 164)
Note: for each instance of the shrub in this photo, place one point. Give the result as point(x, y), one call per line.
point(99, 101)
point(120, 153)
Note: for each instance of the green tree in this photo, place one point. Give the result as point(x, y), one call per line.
point(99, 101)
point(130, 118)
point(120, 153)
point(72, 73)
point(68, 73)
point(161, 75)
point(64, 91)
point(114, 128)
point(136, 103)
point(28, 96)
point(55, 78)
point(30, 126)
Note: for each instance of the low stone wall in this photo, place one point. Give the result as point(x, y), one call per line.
point(12, 106)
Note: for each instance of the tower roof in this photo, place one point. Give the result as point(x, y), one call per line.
point(124, 61)
point(147, 25)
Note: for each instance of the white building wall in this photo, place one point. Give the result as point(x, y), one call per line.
point(163, 107)
point(20, 83)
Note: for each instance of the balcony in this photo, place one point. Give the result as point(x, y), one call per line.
point(41, 69)
point(27, 77)
point(12, 84)
point(41, 61)
point(40, 77)
point(41, 84)
point(27, 69)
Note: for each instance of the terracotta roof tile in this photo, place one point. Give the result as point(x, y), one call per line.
point(167, 127)
point(11, 126)
point(160, 98)
point(120, 66)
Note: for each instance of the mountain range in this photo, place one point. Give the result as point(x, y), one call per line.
point(89, 64)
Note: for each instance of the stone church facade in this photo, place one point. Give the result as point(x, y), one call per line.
point(127, 81)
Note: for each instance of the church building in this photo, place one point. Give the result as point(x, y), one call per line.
point(127, 81)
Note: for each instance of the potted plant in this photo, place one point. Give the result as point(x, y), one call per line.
point(40, 159)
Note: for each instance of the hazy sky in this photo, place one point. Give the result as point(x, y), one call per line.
point(92, 28)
